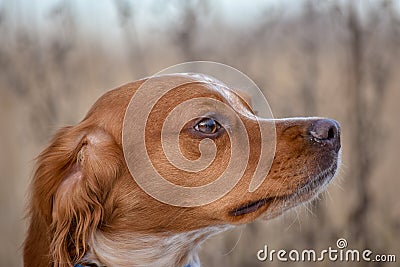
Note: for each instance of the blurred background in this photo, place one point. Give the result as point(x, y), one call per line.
point(339, 59)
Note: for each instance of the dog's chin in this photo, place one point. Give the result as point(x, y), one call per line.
point(304, 194)
point(272, 207)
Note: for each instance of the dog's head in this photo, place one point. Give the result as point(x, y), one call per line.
point(306, 153)
point(83, 186)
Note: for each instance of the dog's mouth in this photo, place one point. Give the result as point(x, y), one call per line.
point(306, 192)
point(252, 206)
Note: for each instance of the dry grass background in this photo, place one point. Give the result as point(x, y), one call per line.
point(323, 58)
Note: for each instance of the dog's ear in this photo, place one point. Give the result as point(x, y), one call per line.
point(74, 175)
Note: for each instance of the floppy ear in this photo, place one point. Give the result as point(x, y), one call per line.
point(73, 177)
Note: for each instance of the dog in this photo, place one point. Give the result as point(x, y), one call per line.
point(86, 209)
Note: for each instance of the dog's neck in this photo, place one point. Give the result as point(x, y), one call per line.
point(178, 250)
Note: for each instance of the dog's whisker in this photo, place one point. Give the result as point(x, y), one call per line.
point(295, 218)
point(235, 245)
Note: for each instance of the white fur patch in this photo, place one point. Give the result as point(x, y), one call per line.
point(134, 249)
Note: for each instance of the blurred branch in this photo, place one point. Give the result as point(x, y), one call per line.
point(186, 32)
point(361, 167)
point(310, 52)
point(28, 66)
point(367, 117)
point(126, 15)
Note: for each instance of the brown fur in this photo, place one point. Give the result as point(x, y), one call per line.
point(82, 186)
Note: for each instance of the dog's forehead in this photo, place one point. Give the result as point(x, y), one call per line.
point(233, 97)
point(210, 82)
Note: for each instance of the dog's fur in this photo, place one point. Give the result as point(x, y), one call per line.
point(86, 208)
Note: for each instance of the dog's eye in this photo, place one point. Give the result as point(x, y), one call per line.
point(207, 126)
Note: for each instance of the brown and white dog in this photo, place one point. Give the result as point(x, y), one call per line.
point(86, 208)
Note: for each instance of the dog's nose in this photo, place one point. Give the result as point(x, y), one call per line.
point(326, 132)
